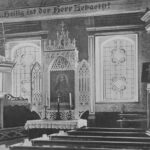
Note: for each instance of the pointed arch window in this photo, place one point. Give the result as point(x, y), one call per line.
point(24, 56)
point(117, 68)
point(36, 84)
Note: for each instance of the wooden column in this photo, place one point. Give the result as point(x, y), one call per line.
point(1, 112)
point(146, 19)
point(91, 53)
point(148, 106)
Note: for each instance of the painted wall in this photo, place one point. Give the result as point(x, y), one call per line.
point(1, 112)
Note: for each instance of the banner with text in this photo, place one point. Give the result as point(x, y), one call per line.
point(70, 10)
point(55, 10)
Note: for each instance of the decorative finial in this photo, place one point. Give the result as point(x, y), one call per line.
point(62, 42)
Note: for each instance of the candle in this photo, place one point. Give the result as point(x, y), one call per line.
point(58, 99)
point(46, 100)
point(70, 99)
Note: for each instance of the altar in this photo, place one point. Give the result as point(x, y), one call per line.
point(36, 128)
point(55, 124)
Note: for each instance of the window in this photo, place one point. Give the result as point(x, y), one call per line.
point(36, 84)
point(25, 55)
point(116, 68)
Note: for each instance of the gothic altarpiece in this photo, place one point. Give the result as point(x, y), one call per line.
point(68, 79)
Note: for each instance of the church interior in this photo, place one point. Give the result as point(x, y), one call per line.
point(75, 74)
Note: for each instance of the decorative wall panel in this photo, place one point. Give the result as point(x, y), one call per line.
point(24, 54)
point(116, 61)
point(62, 57)
point(84, 95)
point(36, 96)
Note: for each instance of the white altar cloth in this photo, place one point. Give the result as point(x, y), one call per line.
point(55, 124)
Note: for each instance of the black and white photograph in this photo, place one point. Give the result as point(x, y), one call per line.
point(74, 74)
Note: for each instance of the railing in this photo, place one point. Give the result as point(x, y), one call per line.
point(12, 133)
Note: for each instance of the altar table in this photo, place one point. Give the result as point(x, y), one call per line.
point(55, 124)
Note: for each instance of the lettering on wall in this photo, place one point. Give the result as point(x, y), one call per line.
point(56, 10)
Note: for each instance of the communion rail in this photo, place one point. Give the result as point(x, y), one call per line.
point(12, 133)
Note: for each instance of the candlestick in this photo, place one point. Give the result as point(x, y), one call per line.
point(57, 34)
point(45, 110)
point(58, 107)
point(70, 100)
